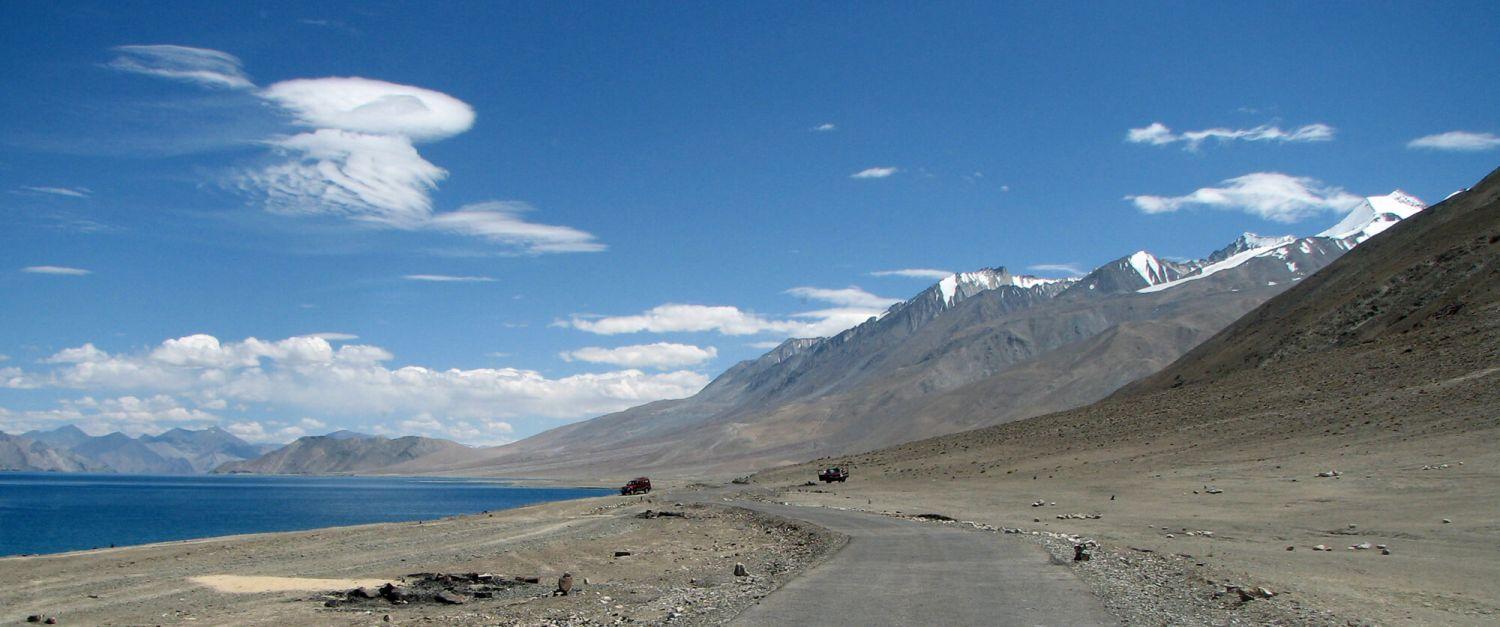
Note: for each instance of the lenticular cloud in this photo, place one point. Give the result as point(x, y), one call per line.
point(356, 156)
point(363, 105)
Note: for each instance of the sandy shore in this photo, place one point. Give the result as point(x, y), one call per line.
point(682, 566)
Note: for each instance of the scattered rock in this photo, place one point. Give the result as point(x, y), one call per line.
point(1322, 547)
point(1364, 546)
point(739, 570)
point(451, 598)
point(564, 584)
point(1447, 521)
point(1329, 473)
point(740, 480)
point(1212, 490)
point(34, 618)
point(933, 517)
point(622, 553)
point(1081, 553)
point(363, 593)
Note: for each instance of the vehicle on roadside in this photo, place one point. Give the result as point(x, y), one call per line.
point(829, 475)
point(638, 485)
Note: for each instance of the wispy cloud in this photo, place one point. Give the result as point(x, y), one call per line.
point(1158, 134)
point(848, 296)
point(661, 355)
point(1457, 141)
point(56, 270)
point(197, 65)
point(1269, 195)
point(874, 173)
point(333, 337)
point(825, 127)
point(1070, 269)
point(355, 154)
point(447, 278)
point(71, 192)
point(851, 306)
point(502, 222)
point(915, 273)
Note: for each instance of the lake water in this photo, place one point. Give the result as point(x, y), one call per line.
point(54, 512)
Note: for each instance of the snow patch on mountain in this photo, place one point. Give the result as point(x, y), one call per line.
point(970, 283)
point(1149, 267)
point(1374, 216)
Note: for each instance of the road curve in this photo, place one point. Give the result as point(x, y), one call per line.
point(903, 572)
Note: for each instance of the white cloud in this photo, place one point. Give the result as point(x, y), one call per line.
point(825, 127)
point(206, 67)
point(365, 106)
point(852, 307)
point(1460, 141)
point(1269, 195)
point(373, 178)
point(501, 222)
point(132, 415)
point(480, 431)
point(307, 374)
point(358, 157)
point(1157, 134)
point(448, 278)
point(661, 355)
point(1070, 269)
point(849, 296)
point(915, 273)
point(333, 337)
point(268, 432)
point(71, 192)
point(56, 270)
point(874, 173)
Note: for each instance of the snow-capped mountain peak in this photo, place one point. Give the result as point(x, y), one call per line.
point(1374, 215)
point(965, 284)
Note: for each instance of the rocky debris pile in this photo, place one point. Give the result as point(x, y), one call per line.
point(1079, 516)
point(438, 588)
point(651, 513)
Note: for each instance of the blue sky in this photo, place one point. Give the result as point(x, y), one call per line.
point(505, 217)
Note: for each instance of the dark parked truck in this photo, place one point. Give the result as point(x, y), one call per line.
point(830, 475)
point(638, 485)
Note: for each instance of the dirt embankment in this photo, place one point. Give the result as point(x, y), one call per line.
point(627, 566)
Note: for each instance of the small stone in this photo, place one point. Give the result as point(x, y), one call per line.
point(50, 621)
point(739, 570)
point(622, 553)
point(451, 598)
point(1446, 521)
point(34, 618)
point(1213, 490)
point(386, 618)
point(1364, 546)
point(1322, 547)
point(363, 593)
point(1385, 551)
point(1291, 548)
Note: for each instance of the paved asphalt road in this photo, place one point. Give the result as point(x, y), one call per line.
point(902, 572)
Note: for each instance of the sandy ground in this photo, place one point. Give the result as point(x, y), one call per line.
point(679, 569)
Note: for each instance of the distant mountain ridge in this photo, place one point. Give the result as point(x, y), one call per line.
point(974, 349)
point(343, 452)
point(174, 452)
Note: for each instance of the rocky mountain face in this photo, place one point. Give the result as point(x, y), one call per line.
point(19, 453)
point(178, 451)
point(344, 452)
point(975, 349)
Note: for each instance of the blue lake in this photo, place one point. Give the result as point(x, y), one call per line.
point(54, 512)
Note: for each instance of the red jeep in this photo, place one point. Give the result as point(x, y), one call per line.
point(638, 485)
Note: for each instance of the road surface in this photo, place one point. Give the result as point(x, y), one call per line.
point(903, 572)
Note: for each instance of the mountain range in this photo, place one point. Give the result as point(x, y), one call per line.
point(174, 452)
point(976, 349)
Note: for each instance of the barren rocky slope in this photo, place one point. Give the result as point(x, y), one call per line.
point(1356, 410)
point(1017, 346)
point(336, 453)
